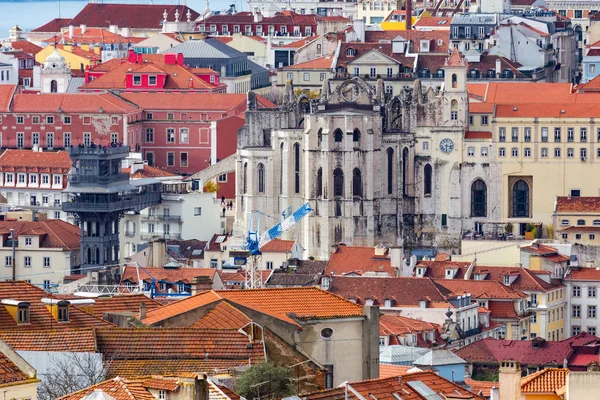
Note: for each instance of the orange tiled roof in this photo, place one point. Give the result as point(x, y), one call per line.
point(278, 246)
point(549, 380)
point(455, 59)
point(480, 289)
point(118, 389)
point(71, 103)
point(6, 96)
point(207, 101)
point(10, 373)
point(54, 233)
point(434, 21)
point(148, 172)
point(123, 303)
point(481, 388)
point(223, 316)
point(399, 325)
point(35, 161)
point(303, 303)
point(567, 204)
point(92, 36)
point(548, 252)
point(51, 338)
point(133, 368)
point(317, 63)
point(481, 108)
point(503, 310)
point(391, 370)
point(583, 274)
point(356, 259)
point(26, 47)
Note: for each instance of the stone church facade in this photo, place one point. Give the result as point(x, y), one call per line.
point(373, 169)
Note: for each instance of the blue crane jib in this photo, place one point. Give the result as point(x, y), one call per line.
point(255, 242)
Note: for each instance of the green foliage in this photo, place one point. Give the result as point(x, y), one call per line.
point(550, 230)
point(265, 380)
point(529, 228)
point(488, 375)
point(535, 232)
point(211, 187)
point(508, 228)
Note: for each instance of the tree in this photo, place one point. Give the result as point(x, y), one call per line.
point(263, 380)
point(70, 374)
point(211, 187)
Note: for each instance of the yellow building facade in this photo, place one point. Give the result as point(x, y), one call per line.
point(75, 56)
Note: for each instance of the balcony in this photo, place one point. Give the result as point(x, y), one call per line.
point(98, 179)
point(161, 217)
point(532, 305)
point(472, 332)
point(80, 151)
point(157, 235)
point(126, 202)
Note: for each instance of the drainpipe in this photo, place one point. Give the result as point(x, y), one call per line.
point(12, 240)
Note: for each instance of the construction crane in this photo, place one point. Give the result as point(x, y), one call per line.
point(255, 240)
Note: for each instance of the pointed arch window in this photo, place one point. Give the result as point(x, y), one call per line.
point(454, 81)
point(296, 168)
point(338, 183)
point(319, 137)
point(357, 183)
point(521, 199)
point(356, 136)
point(319, 183)
point(427, 180)
point(338, 135)
point(405, 172)
point(390, 170)
point(479, 199)
point(261, 178)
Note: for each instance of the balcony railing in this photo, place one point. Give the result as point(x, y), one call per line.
point(161, 217)
point(127, 202)
point(155, 235)
point(76, 151)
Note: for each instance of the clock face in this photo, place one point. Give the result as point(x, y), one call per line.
point(447, 145)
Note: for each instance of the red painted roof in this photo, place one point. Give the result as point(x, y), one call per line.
point(53, 26)
point(358, 260)
point(481, 388)
point(53, 233)
point(140, 16)
point(317, 63)
point(478, 135)
point(26, 47)
point(71, 103)
point(278, 246)
point(6, 96)
point(480, 289)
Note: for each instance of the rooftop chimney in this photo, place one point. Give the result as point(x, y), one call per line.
point(83, 28)
point(142, 310)
point(510, 380)
point(408, 15)
point(71, 31)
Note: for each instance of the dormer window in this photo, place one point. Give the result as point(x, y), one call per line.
point(350, 52)
point(368, 302)
point(325, 283)
point(63, 311)
point(506, 280)
point(137, 80)
point(387, 303)
point(152, 80)
point(23, 313)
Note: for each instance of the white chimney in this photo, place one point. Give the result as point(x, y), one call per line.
point(498, 67)
point(71, 31)
point(126, 32)
point(136, 166)
point(113, 29)
point(258, 17)
point(83, 27)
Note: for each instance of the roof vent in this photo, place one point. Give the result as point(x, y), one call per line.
point(515, 109)
point(562, 111)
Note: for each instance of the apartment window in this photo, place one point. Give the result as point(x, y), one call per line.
point(290, 77)
point(150, 158)
point(570, 134)
point(527, 136)
point(35, 119)
point(170, 135)
point(63, 313)
point(514, 152)
point(28, 241)
point(23, 313)
point(170, 159)
point(576, 330)
point(544, 152)
point(501, 152)
point(149, 135)
point(390, 72)
point(20, 140)
point(576, 291)
point(46, 284)
point(592, 237)
point(114, 137)
point(57, 179)
point(46, 262)
point(578, 236)
point(557, 135)
point(515, 134)
point(197, 211)
point(137, 80)
point(170, 116)
point(565, 236)
point(67, 120)
point(49, 119)
point(471, 151)
point(583, 135)
point(45, 179)
point(166, 229)
point(183, 135)
point(583, 153)
point(578, 13)
point(570, 153)
point(222, 178)
point(329, 377)
point(87, 138)
point(27, 261)
point(67, 139)
point(470, 120)
point(20, 119)
point(306, 76)
point(50, 140)
point(21, 178)
point(8, 261)
point(591, 312)
point(322, 76)
point(373, 72)
point(269, 264)
point(183, 162)
point(152, 80)
point(576, 311)
point(484, 151)
point(591, 330)
point(534, 318)
point(592, 291)
point(484, 120)
point(557, 153)
point(502, 134)
point(356, 71)
point(527, 152)
point(149, 116)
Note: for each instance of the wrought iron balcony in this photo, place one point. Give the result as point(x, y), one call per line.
point(126, 202)
point(161, 217)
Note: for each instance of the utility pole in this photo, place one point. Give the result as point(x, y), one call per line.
point(12, 241)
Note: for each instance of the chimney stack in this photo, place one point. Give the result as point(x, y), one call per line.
point(509, 380)
point(71, 31)
point(83, 28)
point(408, 15)
point(142, 310)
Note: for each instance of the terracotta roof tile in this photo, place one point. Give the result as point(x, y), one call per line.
point(278, 246)
point(168, 275)
point(57, 340)
point(481, 388)
point(223, 316)
point(92, 36)
point(135, 368)
point(53, 26)
point(34, 161)
point(566, 204)
point(136, 16)
point(26, 47)
point(392, 370)
point(148, 172)
point(399, 325)
point(415, 36)
point(303, 303)
point(549, 380)
point(580, 228)
point(123, 303)
point(455, 59)
point(6, 96)
point(481, 108)
point(358, 260)
point(9, 372)
point(204, 101)
point(54, 233)
point(503, 310)
point(480, 289)
point(363, 48)
point(117, 388)
point(583, 274)
point(70, 103)
point(317, 63)
point(434, 21)
point(402, 291)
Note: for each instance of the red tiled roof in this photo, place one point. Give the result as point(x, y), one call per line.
point(134, 368)
point(306, 303)
point(359, 260)
point(53, 26)
point(53, 233)
point(398, 325)
point(549, 380)
point(583, 359)
point(92, 36)
point(136, 16)
point(579, 228)
point(493, 351)
point(35, 161)
point(6, 96)
point(317, 63)
point(434, 21)
point(503, 310)
point(402, 291)
point(481, 108)
point(170, 275)
point(480, 289)
point(437, 269)
point(223, 316)
point(481, 388)
point(565, 204)
point(295, 45)
point(583, 274)
point(278, 246)
point(148, 172)
point(123, 303)
point(26, 47)
point(392, 370)
point(120, 389)
point(78, 51)
point(434, 36)
point(540, 249)
point(205, 101)
point(478, 135)
point(70, 103)
point(52, 340)
point(10, 373)
point(391, 388)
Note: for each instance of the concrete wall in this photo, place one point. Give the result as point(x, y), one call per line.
point(583, 385)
